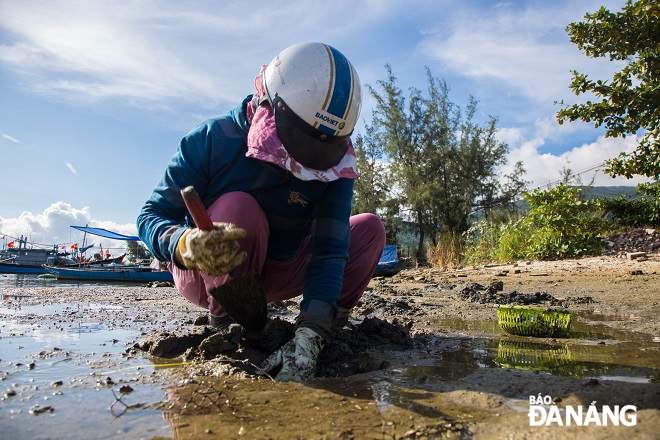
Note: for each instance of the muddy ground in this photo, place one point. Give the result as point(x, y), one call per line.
point(422, 357)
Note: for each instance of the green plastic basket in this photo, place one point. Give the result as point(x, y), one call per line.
point(528, 321)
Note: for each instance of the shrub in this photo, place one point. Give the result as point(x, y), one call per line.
point(638, 213)
point(560, 224)
point(497, 241)
point(563, 224)
point(447, 252)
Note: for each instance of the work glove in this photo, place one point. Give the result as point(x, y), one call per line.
point(214, 252)
point(221, 323)
point(297, 357)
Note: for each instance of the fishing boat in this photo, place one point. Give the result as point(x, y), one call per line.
point(98, 261)
point(110, 273)
point(19, 256)
point(25, 258)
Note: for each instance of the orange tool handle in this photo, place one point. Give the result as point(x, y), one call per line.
point(196, 209)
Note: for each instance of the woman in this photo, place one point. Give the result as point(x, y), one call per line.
point(276, 175)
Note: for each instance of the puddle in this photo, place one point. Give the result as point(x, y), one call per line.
point(33, 280)
point(63, 376)
point(62, 373)
point(583, 326)
point(593, 350)
point(454, 384)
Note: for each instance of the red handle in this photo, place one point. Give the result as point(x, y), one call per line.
point(196, 209)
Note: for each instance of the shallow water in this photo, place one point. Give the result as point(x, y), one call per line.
point(61, 376)
point(33, 280)
point(593, 350)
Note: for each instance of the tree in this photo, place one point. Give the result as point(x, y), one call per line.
point(630, 102)
point(396, 128)
point(441, 164)
point(371, 188)
point(137, 251)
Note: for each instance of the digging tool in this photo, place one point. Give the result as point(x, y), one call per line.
point(243, 297)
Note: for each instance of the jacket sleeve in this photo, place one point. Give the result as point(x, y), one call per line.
point(328, 248)
point(162, 220)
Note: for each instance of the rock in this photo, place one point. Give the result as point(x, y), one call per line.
point(636, 240)
point(497, 285)
point(216, 344)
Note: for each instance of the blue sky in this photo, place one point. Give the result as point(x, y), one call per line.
point(95, 95)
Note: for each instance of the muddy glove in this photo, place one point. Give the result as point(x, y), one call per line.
point(213, 252)
point(221, 322)
point(297, 357)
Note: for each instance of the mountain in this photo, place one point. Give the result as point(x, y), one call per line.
point(601, 192)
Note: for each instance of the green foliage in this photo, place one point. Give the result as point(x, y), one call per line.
point(563, 223)
point(441, 164)
point(137, 251)
point(481, 242)
point(640, 212)
point(496, 241)
point(560, 224)
point(630, 102)
point(370, 190)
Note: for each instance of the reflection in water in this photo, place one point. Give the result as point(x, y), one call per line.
point(20, 280)
point(580, 361)
point(619, 354)
point(608, 362)
point(532, 356)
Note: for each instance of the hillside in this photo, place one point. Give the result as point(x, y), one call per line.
point(601, 192)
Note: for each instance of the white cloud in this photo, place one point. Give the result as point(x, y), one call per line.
point(10, 138)
point(514, 50)
point(545, 168)
point(102, 51)
point(70, 167)
point(150, 52)
point(53, 227)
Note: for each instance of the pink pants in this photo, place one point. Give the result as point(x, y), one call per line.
point(282, 279)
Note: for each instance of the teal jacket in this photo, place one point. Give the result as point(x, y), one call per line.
point(212, 159)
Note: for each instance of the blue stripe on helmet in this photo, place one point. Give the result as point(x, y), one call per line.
point(342, 90)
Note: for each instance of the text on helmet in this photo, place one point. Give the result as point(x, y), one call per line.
point(328, 120)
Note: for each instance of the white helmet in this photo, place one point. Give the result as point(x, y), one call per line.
point(316, 96)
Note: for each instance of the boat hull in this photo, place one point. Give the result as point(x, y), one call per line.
point(21, 268)
point(110, 274)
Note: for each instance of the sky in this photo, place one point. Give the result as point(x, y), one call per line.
point(96, 95)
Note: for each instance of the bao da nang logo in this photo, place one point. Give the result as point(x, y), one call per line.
point(543, 412)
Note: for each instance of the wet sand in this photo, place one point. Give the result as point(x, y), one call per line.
point(422, 358)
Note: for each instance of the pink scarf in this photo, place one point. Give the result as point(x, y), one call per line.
point(264, 144)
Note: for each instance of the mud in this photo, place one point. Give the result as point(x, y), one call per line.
point(421, 357)
point(349, 352)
